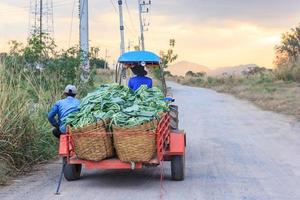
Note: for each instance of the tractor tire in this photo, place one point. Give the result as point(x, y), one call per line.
point(72, 172)
point(178, 168)
point(174, 118)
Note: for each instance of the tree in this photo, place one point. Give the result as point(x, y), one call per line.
point(98, 63)
point(254, 70)
point(37, 52)
point(190, 73)
point(197, 74)
point(169, 56)
point(168, 74)
point(166, 58)
point(201, 74)
point(288, 51)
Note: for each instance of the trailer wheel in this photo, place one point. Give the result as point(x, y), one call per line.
point(72, 171)
point(178, 168)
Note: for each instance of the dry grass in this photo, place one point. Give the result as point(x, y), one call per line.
point(263, 90)
point(281, 97)
point(25, 137)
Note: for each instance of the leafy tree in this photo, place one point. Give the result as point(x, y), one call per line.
point(190, 73)
point(254, 70)
point(168, 73)
point(197, 74)
point(169, 56)
point(37, 52)
point(98, 63)
point(289, 48)
point(288, 56)
point(166, 58)
point(201, 74)
point(46, 63)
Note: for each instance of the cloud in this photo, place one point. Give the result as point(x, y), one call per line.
point(263, 12)
point(212, 33)
point(217, 44)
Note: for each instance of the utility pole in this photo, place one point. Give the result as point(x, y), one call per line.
point(84, 39)
point(122, 45)
point(106, 59)
point(41, 19)
point(142, 10)
point(129, 45)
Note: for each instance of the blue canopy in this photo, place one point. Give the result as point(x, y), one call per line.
point(139, 56)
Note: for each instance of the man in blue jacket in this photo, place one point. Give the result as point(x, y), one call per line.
point(62, 109)
point(140, 79)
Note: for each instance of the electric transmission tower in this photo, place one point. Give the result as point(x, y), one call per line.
point(41, 18)
point(144, 8)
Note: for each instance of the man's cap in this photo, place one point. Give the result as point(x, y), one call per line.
point(70, 89)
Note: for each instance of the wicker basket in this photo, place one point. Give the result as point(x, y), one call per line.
point(92, 142)
point(137, 144)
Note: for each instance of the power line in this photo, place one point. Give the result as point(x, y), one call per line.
point(143, 9)
point(125, 24)
point(112, 3)
point(27, 8)
point(41, 18)
point(21, 11)
point(71, 26)
point(130, 16)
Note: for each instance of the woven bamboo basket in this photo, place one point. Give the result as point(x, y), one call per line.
point(92, 142)
point(136, 144)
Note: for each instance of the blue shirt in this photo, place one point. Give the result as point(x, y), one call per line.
point(63, 108)
point(136, 82)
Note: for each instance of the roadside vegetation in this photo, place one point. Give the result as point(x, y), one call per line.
point(275, 89)
point(32, 78)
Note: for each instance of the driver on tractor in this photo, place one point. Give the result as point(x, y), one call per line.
point(140, 79)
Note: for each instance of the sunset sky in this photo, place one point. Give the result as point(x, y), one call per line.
point(213, 33)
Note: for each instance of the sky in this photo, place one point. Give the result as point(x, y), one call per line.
point(213, 33)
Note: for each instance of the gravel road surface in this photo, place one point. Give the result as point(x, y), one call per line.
point(235, 152)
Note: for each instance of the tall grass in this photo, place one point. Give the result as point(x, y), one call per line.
point(25, 137)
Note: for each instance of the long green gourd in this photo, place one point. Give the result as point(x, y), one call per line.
point(120, 104)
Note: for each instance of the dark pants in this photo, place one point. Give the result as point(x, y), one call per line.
point(56, 132)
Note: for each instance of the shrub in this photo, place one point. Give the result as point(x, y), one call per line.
point(25, 137)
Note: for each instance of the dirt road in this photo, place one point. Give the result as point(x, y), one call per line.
point(235, 152)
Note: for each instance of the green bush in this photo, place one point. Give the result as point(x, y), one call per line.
point(25, 137)
point(32, 78)
point(296, 73)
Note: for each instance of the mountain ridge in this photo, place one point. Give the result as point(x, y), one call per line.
point(181, 67)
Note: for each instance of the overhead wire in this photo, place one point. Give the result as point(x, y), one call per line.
point(130, 16)
point(71, 26)
point(112, 3)
point(21, 9)
point(126, 27)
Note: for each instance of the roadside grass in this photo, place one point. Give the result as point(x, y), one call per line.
point(103, 76)
point(25, 133)
point(25, 137)
point(279, 96)
point(265, 90)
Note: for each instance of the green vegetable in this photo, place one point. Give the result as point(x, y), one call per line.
point(119, 104)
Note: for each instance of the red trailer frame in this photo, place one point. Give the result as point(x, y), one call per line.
point(169, 144)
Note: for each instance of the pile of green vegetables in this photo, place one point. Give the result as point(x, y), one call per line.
point(120, 105)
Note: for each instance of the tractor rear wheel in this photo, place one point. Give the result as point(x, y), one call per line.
point(178, 167)
point(72, 171)
point(174, 117)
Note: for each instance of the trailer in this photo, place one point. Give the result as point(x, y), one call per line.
point(170, 141)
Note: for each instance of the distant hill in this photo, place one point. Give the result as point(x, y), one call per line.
point(235, 70)
point(180, 68)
